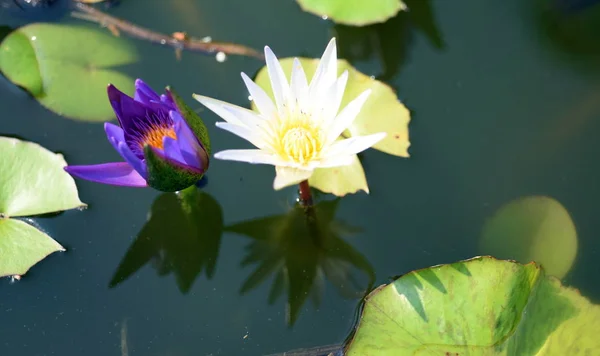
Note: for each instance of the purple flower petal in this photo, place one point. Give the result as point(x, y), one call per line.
point(168, 100)
point(144, 94)
point(193, 153)
point(171, 149)
point(115, 134)
point(117, 173)
point(128, 111)
point(132, 159)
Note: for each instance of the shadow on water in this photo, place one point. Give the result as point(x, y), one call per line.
point(36, 10)
point(302, 249)
point(570, 29)
point(44, 10)
point(4, 31)
point(182, 236)
point(389, 41)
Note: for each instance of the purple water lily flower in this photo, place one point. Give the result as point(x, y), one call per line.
point(165, 144)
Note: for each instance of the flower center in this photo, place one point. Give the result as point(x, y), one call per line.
point(155, 134)
point(300, 142)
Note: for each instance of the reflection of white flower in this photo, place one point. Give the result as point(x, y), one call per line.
point(301, 131)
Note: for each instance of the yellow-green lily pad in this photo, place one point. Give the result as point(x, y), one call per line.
point(477, 307)
point(534, 228)
point(354, 12)
point(340, 180)
point(32, 182)
point(67, 68)
point(22, 246)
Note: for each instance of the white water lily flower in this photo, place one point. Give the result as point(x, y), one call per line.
point(301, 130)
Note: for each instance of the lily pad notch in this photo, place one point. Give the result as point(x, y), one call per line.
point(32, 182)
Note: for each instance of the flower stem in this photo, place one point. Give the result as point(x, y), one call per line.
point(305, 194)
point(187, 191)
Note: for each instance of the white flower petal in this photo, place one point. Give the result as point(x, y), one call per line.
point(263, 102)
point(251, 120)
point(299, 84)
point(233, 114)
point(332, 99)
point(255, 137)
point(346, 116)
point(286, 176)
point(220, 108)
point(336, 161)
point(326, 72)
point(353, 145)
point(340, 87)
point(318, 106)
point(249, 156)
point(279, 82)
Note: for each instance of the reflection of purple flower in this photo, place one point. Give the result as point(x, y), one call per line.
point(162, 148)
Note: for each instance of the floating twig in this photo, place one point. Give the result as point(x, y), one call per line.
point(116, 25)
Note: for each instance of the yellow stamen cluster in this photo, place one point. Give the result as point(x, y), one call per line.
point(299, 140)
point(154, 136)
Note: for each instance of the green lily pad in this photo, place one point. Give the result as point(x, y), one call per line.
point(19, 64)
point(67, 68)
point(300, 250)
point(535, 228)
point(354, 12)
point(481, 306)
point(32, 182)
point(22, 246)
point(182, 237)
point(382, 112)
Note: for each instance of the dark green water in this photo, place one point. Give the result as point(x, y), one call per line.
point(501, 109)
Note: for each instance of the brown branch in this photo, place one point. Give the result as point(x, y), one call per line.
point(116, 25)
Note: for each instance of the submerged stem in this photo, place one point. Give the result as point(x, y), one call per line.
point(305, 194)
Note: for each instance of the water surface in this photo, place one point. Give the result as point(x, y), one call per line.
point(501, 109)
